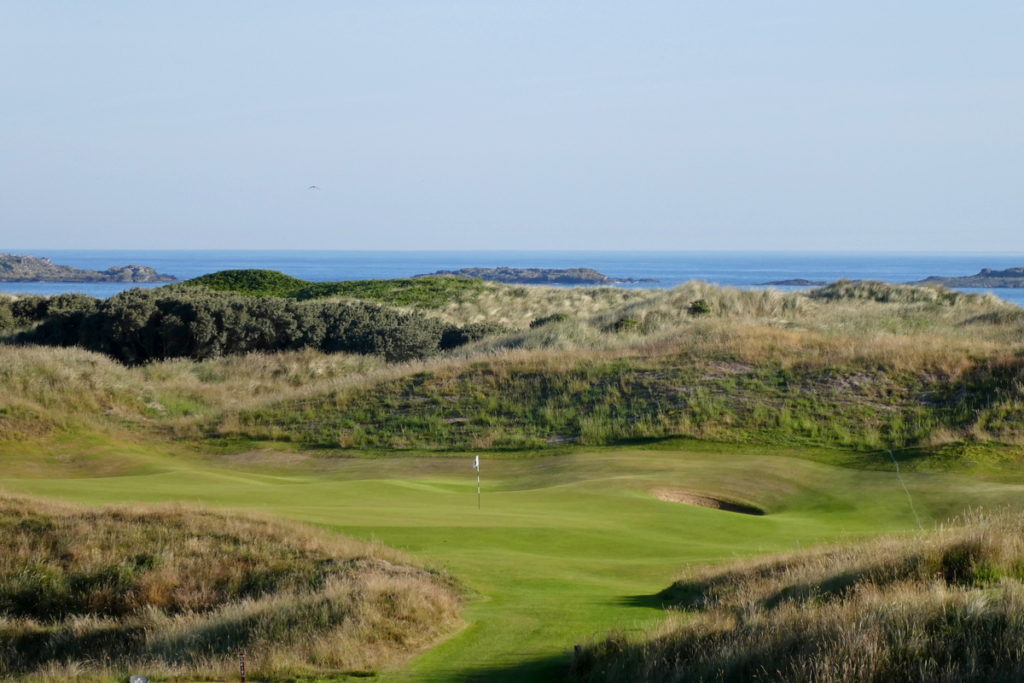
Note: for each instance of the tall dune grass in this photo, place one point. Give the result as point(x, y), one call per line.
point(92, 594)
point(895, 350)
point(943, 606)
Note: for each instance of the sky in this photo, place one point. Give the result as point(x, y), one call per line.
point(426, 124)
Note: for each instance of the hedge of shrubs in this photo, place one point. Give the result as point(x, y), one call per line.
point(30, 309)
point(140, 325)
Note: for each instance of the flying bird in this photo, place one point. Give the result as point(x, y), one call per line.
point(312, 187)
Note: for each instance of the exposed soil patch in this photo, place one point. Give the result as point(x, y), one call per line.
point(679, 496)
point(720, 369)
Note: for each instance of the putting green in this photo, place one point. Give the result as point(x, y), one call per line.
point(564, 548)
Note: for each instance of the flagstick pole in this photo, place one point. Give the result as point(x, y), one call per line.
point(478, 488)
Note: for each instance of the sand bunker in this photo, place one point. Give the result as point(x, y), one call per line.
point(679, 496)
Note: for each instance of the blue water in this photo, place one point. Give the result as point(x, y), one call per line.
point(669, 268)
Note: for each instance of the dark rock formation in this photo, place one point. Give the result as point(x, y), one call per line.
point(795, 282)
point(536, 276)
point(1011, 278)
point(15, 268)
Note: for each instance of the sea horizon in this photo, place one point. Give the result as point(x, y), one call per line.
point(669, 268)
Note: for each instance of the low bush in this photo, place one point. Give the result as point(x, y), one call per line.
point(26, 311)
point(699, 307)
point(141, 325)
point(549, 319)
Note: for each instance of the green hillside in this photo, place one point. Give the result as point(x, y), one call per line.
point(431, 292)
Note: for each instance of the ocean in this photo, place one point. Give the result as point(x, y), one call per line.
point(669, 268)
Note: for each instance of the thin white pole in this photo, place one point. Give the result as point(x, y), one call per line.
point(906, 491)
point(478, 488)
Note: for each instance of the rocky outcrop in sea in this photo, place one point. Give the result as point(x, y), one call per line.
point(1010, 278)
point(536, 276)
point(17, 268)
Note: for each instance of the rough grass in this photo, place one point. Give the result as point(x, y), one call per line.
point(91, 593)
point(604, 401)
point(49, 389)
point(714, 380)
point(873, 290)
point(942, 606)
point(856, 365)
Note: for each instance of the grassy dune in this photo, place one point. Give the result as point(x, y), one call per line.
point(697, 386)
point(93, 594)
point(921, 370)
point(862, 366)
point(944, 606)
point(598, 411)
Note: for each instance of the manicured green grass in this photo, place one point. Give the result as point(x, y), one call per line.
point(564, 548)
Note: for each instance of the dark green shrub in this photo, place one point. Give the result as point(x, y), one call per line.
point(6, 316)
point(626, 325)
point(548, 319)
point(29, 309)
point(73, 310)
point(26, 311)
point(453, 337)
point(698, 307)
point(140, 325)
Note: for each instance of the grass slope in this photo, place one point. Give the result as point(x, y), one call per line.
point(858, 365)
point(943, 606)
point(597, 402)
point(94, 594)
point(792, 393)
point(564, 547)
point(431, 292)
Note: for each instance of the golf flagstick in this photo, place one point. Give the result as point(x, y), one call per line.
point(476, 466)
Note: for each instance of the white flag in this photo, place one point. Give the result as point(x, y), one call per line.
point(476, 463)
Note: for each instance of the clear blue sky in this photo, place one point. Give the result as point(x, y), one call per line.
point(512, 125)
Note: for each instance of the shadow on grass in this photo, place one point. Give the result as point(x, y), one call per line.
point(542, 670)
point(656, 601)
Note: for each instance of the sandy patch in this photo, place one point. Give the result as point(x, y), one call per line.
point(688, 498)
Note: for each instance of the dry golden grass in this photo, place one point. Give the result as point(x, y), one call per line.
point(47, 388)
point(519, 306)
point(90, 593)
point(942, 606)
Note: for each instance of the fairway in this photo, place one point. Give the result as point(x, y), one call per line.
point(564, 548)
